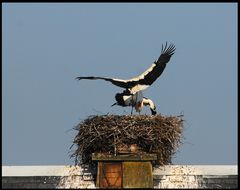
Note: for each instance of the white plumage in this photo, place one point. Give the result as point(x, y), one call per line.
point(132, 95)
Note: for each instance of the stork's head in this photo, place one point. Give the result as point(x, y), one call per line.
point(154, 112)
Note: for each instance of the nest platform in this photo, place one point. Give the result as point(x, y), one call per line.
point(128, 134)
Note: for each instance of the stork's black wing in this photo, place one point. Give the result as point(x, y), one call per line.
point(145, 79)
point(117, 82)
point(156, 69)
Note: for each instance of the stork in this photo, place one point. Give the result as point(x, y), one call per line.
point(132, 95)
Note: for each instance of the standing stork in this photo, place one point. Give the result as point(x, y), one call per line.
point(132, 95)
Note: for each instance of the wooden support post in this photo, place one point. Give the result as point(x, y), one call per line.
point(124, 171)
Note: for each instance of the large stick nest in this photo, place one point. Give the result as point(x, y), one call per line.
point(134, 134)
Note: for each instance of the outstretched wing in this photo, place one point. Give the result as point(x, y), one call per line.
point(155, 70)
point(145, 79)
point(118, 82)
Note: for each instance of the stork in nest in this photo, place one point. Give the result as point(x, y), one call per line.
point(132, 95)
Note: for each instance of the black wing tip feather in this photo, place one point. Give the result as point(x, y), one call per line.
point(79, 78)
point(168, 50)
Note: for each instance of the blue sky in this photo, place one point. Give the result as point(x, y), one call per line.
point(45, 46)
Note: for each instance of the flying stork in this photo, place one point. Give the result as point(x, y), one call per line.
point(132, 95)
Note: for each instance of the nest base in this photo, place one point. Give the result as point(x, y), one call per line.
point(128, 134)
